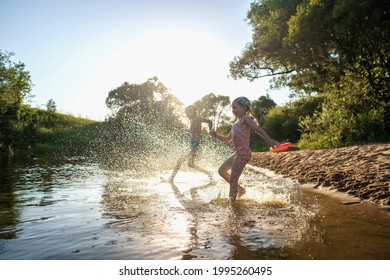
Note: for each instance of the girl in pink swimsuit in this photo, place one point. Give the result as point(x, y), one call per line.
point(240, 136)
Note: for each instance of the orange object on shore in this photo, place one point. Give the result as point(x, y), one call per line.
point(281, 147)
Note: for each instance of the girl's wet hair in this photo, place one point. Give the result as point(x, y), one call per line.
point(245, 102)
point(242, 100)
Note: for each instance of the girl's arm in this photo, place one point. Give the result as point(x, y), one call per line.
point(226, 139)
point(271, 142)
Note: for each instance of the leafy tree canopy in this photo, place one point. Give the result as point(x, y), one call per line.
point(336, 49)
point(15, 85)
point(305, 44)
point(135, 98)
point(148, 99)
point(214, 107)
point(261, 106)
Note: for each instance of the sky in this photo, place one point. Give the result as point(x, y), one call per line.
point(77, 51)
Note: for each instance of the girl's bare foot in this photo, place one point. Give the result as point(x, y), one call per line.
point(241, 191)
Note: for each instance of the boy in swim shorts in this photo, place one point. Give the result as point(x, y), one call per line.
point(195, 135)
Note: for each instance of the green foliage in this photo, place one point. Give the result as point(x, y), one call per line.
point(15, 85)
point(134, 98)
point(149, 100)
point(51, 106)
point(265, 55)
point(40, 132)
point(261, 107)
point(348, 115)
point(282, 122)
point(213, 107)
point(336, 49)
point(306, 43)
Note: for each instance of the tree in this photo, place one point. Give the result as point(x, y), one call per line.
point(306, 43)
point(315, 47)
point(347, 116)
point(282, 122)
point(135, 98)
point(261, 106)
point(213, 107)
point(51, 106)
point(265, 55)
point(15, 85)
point(148, 100)
point(144, 125)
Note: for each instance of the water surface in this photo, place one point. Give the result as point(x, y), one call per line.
point(74, 209)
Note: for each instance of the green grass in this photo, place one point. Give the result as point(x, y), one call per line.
point(41, 132)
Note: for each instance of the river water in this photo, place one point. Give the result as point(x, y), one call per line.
point(75, 209)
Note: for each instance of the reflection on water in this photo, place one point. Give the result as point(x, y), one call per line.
point(75, 210)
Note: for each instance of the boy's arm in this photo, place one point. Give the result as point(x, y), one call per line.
point(210, 123)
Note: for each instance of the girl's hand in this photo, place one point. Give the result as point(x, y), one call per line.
point(273, 143)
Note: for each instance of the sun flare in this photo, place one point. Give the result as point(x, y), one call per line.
point(190, 63)
point(187, 60)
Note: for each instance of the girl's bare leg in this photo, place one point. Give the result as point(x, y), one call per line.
point(229, 164)
point(225, 167)
point(237, 168)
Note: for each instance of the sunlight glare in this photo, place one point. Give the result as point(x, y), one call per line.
point(190, 63)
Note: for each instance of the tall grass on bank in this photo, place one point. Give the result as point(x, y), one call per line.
point(40, 132)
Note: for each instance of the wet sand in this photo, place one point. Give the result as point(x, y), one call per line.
point(359, 171)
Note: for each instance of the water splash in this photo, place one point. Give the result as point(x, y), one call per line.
point(192, 212)
point(141, 144)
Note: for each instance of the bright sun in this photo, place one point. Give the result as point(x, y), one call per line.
point(188, 62)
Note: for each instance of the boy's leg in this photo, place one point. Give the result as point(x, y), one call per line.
point(208, 173)
point(191, 156)
point(191, 163)
point(177, 168)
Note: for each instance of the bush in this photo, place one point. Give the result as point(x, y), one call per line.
point(282, 123)
point(349, 115)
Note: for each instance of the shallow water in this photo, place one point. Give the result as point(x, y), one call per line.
point(73, 209)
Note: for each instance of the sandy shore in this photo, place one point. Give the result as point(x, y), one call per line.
point(360, 171)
